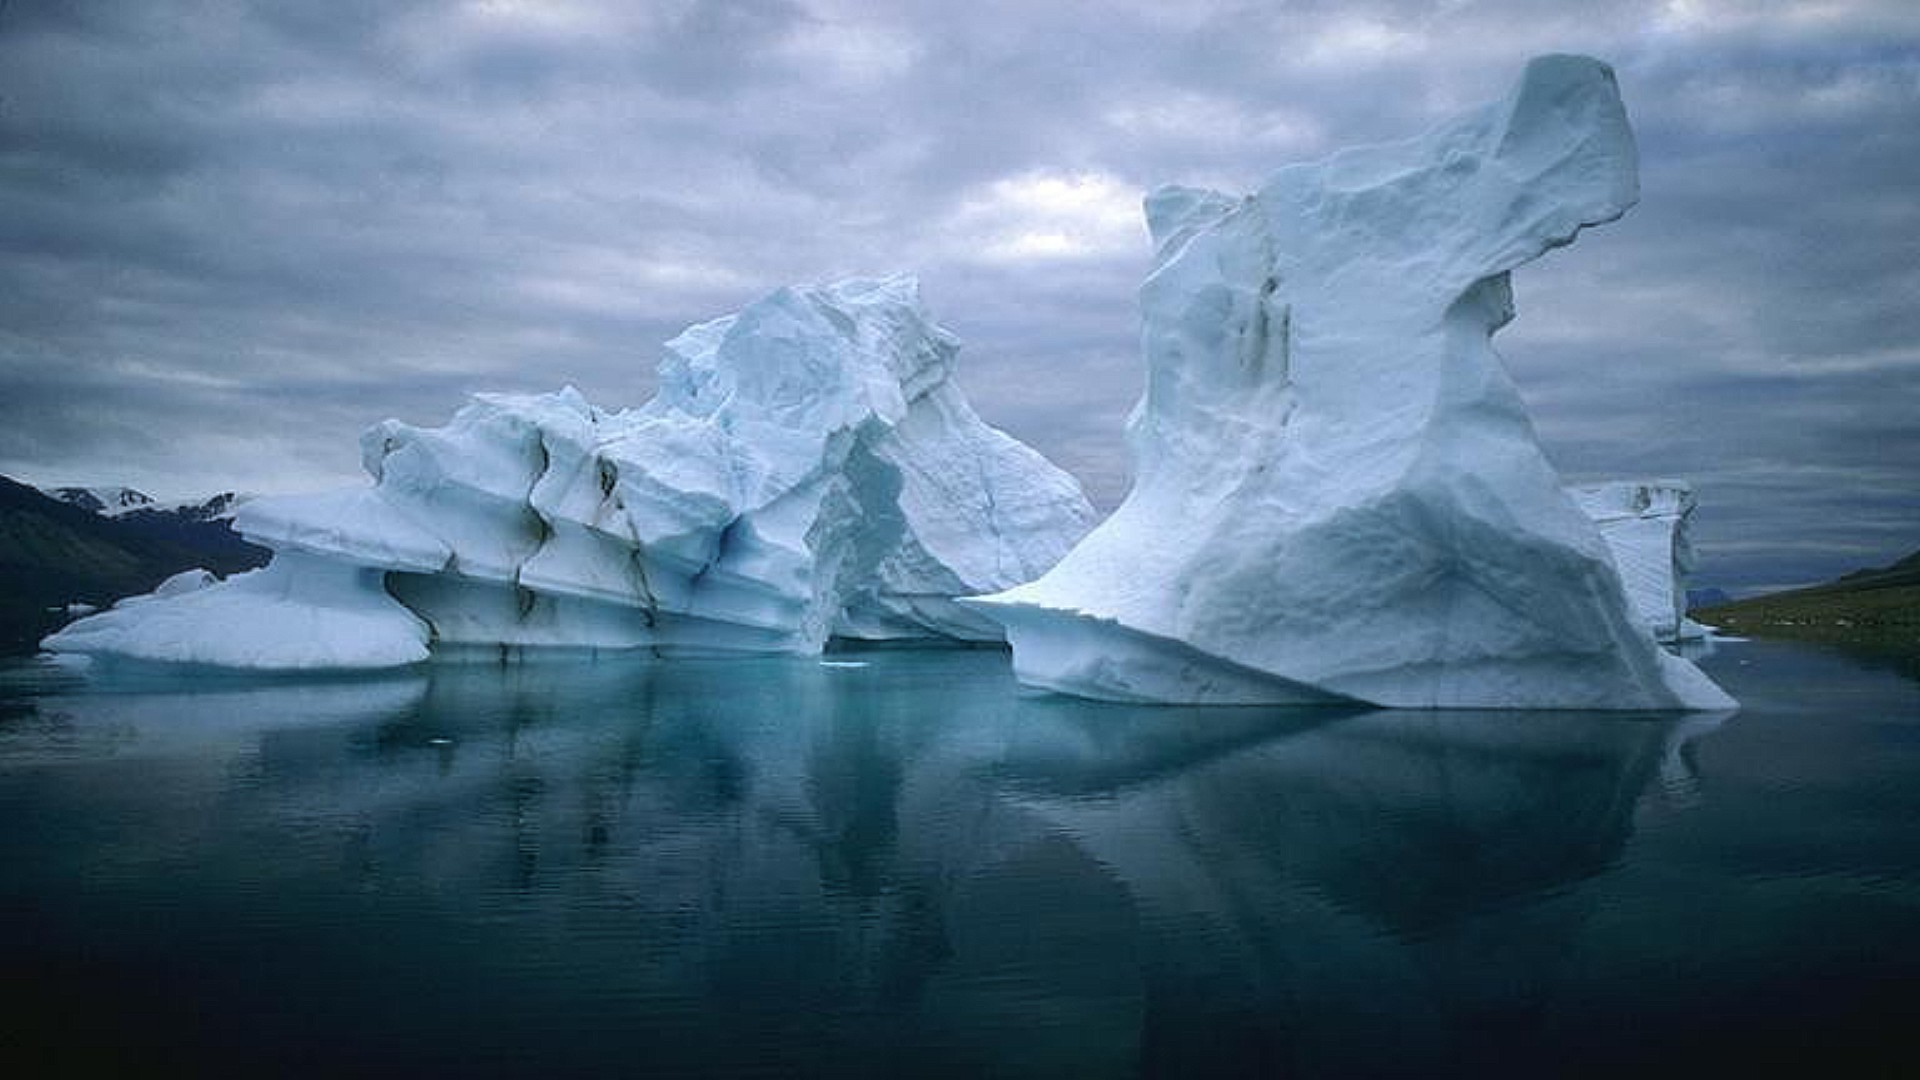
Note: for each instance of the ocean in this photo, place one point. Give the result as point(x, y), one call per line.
point(898, 863)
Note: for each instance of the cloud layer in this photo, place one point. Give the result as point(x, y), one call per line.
point(235, 234)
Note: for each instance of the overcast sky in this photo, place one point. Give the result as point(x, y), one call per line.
point(234, 234)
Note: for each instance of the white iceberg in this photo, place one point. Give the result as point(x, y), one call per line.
point(1339, 494)
point(807, 469)
point(1645, 525)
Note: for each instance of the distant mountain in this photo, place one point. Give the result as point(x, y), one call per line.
point(1876, 607)
point(117, 502)
point(211, 509)
point(60, 550)
point(1904, 572)
point(198, 526)
point(1708, 597)
point(108, 501)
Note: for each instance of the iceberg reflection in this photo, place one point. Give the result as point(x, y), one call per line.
point(774, 861)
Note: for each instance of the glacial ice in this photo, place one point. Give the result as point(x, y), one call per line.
point(1645, 525)
point(299, 612)
point(807, 469)
point(1338, 493)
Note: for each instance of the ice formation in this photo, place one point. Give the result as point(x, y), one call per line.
point(1338, 494)
point(297, 612)
point(1644, 523)
point(807, 469)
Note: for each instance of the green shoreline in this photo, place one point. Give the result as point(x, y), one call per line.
point(1870, 612)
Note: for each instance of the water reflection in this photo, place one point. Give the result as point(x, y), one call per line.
point(1895, 653)
point(725, 866)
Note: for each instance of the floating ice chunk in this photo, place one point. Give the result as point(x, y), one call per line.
point(185, 581)
point(1338, 492)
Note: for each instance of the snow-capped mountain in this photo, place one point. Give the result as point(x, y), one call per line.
point(117, 502)
point(105, 501)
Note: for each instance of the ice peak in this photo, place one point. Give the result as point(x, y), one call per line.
point(839, 352)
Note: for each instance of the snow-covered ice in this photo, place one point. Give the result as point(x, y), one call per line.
point(1338, 493)
point(807, 469)
point(299, 612)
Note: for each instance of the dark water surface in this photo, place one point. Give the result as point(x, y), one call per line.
point(785, 868)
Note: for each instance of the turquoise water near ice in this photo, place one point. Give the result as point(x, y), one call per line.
point(897, 863)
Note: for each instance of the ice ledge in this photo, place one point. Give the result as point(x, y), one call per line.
point(1087, 656)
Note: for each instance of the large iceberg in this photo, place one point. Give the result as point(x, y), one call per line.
point(1645, 525)
point(808, 469)
point(1338, 493)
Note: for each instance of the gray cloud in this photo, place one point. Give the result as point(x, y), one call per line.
point(232, 235)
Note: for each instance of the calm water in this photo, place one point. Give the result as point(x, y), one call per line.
point(900, 865)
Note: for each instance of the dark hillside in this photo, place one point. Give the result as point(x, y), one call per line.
point(220, 549)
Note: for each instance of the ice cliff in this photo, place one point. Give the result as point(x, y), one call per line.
point(1338, 493)
point(807, 469)
point(1644, 523)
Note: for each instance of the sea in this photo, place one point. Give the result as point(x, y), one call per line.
point(899, 863)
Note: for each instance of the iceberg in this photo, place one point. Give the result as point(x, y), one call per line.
point(808, 469)
point(1338, 493)
point(1645, 525)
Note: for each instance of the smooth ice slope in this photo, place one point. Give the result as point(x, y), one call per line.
point(1338, 493)
point(1644, 523)
point(807, 469)
point(296, 613)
